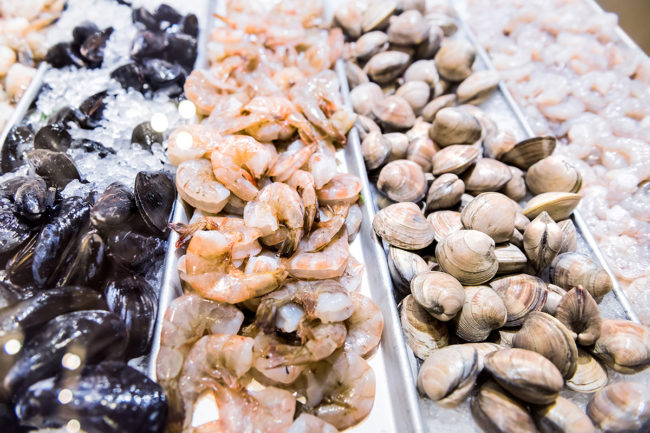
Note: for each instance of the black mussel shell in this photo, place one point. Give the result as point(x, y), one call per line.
point(34, 198)
point(135, 301)
point(82, 32)
point(17, 142)
point(129, 75)
point(19, 267)
point(67, 115)
point(160, 74)
point(53, 137)
point(92, 146)
point(148, 44)
point(155, 194)
point(141, 15)
point(9, 187)
point(63, 54)
point(92, 50)
point(48, 304)
point(92, 335)
point(13, 233)
point(89, 265)
point(56, 168)
point(134, 251)
point(93, 109)
point(114, 207)
point(167, 13)
point(8, 419)
point(8, 295)
point(145, 135)
point(110, 397)
point(191, 25)
point(182, 49)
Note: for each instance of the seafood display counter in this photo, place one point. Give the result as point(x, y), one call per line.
point(304, 216)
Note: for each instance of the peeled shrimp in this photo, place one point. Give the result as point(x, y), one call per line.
point(190, 142)
point(17, 80)
point(322, 164)
point(353, 221)
point(353, 275)
point(296, 155)
point(364, 325)
point(327, 263)
point(277, 204)
point(303, 182)
point(330, 222)
point(271, 374)
point(342, 188)
point(307, 423)
point(203, 91)
point(197, 185)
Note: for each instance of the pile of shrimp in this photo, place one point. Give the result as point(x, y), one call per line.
point(272, 331)
point(574, 78)
point(22, 46)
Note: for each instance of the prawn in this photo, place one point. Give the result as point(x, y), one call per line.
point(307, 423)
point(203, 92)
point(332, 218)
point(322, 164)
point(190, 142)
point(296, 155)
point(364, 325)
point(269, 373)
point(330, 262)
point(303, 182)
point(342, 188)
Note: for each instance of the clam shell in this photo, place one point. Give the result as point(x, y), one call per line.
point(579, 312)
point(562, 416)
point(482, 312)
point(445, 192)
point(555, 294)
point(553, 174)
point(468, 255)
point(355, 74)
point(386, 66)
point(569, 236)
point(399, 144)
point(621, 408)
point(623, 345)
point(483, 349)
point(377, 16)
point(454, 159)
point(375, 149)
point(403, 225)
point(542, 241)
point(510, 259)
point(446, 22)
point(515, 188)
point(498, 142)
point(394, 113)
point(558, 205)
point(491, 213)
point(521, 294)
point(348, 17)
point(431, 109)
point(521, 222)
point(486, 175)
point(444, 222)
point(496, 411)
point(421, 151)
point(416, 93)
point(404, 266)
point(453, 125)
point(448, 375)
point(402, 180)
point(428, 48)
point(590, 376)
point(544, 334)
point(476, 88)
point(365, 125)
point(438, 293)
point(364, 97)
point(527, 152)
point(455, 59)
point(369, 44)
point(570, 270)
point(526, 374)
point(424, 334)
point(408, 28)
point(422, 70)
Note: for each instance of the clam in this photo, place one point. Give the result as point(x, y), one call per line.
point(444, 222)
point(562, 416)
point(355, 74)
point(446, 23)
point(454, 126)
point(431, 109)
point(428, 48)
point(521, 294)
point(570, 270)
point(440, 294)
point(491, 213)
point(408, 28)
point(542, 241)
point(369, 44)
point(486, 175)
point(377, 16)
point(526, 374)
point(483, 349)
point(394, 113)
point(553, 299)
point(454, 159)
point(348, 17)
point(455, 59)
point(579, 313)
point(424, 334)
point(364, 97)
point(498, 142)
point(399, 144)
point(420, 129)
point(544, 334)
point(623, 345)
point(506, 336)
point(402, 180)
point(589, 377)
point(476, 88)
point(569, 236)
point(515, 188)
point(403, 225)
point(404, 266)
point(482, 312)
point(365, 125)
point(421, 151)
point(448, 375)
point(558, 205)
point(445, 192)
point(420, 5)
point(496, 411)
point(527, 152)
point(510, 259)
point(375, 149)
point(464, 201)
point(553, 173)
point(422, 70)
point(468, 255)
point(521, 222)
point(385, 67)
point(622, 407)
point(416, 93)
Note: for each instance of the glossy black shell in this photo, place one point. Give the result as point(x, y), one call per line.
point(155, 194)
point(145, 135)
point(55, 167)
point(53, 137)
point(17, 142)
point(89, 263)
point(114, 207)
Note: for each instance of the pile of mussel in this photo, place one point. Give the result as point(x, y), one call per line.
point(467, 260)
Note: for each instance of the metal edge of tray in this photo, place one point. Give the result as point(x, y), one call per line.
point(25, 101)
point(170, 282)
point(393, 343)
point(577, 217)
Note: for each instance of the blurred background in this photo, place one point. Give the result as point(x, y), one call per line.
point(633, 17)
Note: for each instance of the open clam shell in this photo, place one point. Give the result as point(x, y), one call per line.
point(527, 152)
point(558, 205)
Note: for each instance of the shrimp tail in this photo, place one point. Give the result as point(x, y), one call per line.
point(310, 216)
point(266, 314)
point(292, 241)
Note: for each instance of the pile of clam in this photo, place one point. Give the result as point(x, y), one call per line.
point(471, 264)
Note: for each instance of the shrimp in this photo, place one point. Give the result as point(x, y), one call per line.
point(322, 164)
point(352, 276)
point(364, 325)
point(296, 155)
point(17, 80)
point(190, 142)
point(303, 182)
point(327, 263)
point(202, 91)
point(353, 221)
point(196, 185)
point(233, 154)
point(307, 423)
point(277, 204)
point(330, 222)
point(270, 374)
point(188, 318)
point(342, 188)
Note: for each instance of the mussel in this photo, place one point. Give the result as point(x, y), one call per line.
point(155, 194)
point(17, 142)
point(145, 135)
point(55, 167)
point(89, 263)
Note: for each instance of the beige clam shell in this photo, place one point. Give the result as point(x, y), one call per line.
point(416, 93)
point(558, 205)
point(491, 213)
point(438, 293)
point(423, 70)
point(579, 312)
point(386, 66)
point(486, 175)
point(448, 375)
point(431, 109)
point(476, 88)
point(562, 416)
point(375, 149)
point(482, 312)
point(404, 266)
point(542, 241)
point(454, 126)
point(623, 345)
point(570, 270)
point(553, 173)
point(590, 375)
point(444, 222)
point(365, 125)
point(445, 192)
point(527, 152)
point(455, 59)
point(399, 144)
point(521, 294)
point(510, 259)
point(454, 159)
point(355, 74)
point(408, 28)
point(364, 97)
point(569, 236)
point(496, 411)
point(621, 407)
point(424, 334)
point(468, 255)
point(369, 44)
point(555, 294)
point(421, 151)
point(348, 17)
point(404, 226)
point(377, 16)
point(394, 112)
point(402, 180)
